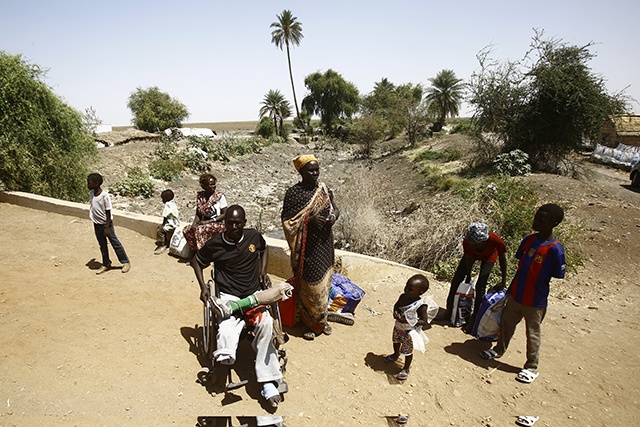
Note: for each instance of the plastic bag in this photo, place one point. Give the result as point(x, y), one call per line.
point(488, 322)
point(344, 295)
point(463, 304)
point(179, 245)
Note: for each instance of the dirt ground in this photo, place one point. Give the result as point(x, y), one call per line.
point(123, 349)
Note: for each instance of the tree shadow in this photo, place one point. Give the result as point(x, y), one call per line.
point(470, 351)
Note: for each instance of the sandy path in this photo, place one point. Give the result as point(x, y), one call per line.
point(81, 349)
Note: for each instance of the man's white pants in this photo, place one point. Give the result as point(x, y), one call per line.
point(267, 366)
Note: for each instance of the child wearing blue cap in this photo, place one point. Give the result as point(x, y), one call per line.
point(479, 244)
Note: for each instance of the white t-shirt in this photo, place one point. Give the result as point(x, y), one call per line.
point(172, 214)
point(99, 205)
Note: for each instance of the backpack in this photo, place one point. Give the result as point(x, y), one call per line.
point(463, 304)
point(487, 326)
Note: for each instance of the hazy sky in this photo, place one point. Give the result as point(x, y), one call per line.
point(216, 57)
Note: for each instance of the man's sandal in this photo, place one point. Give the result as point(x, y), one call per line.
point(489, 354)
point(343, 318)
point(402, 376)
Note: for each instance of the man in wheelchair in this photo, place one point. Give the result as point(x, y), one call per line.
point(239, 260)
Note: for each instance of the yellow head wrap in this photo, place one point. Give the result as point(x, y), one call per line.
point(300, 161)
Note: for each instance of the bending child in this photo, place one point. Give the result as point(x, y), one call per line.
point(410, 312)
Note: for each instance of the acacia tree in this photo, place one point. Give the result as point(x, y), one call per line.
point(287, 31)
point(331, 97)
point(547, 104)
point(44, 148)
point(154, 110)
point(276, 106)
point(444, 97)
point(384, 104)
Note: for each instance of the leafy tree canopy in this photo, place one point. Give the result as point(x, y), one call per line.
point(547, 105)
point(44, 148)
point(331, 97)
point(154, 110)
point(398, 107)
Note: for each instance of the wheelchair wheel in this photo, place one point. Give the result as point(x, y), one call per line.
point(209, 328)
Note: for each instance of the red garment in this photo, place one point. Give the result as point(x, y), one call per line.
point(495, 246)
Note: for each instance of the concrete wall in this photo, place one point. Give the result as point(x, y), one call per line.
point(358, 267)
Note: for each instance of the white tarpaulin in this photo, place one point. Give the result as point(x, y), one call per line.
point(199, 132)
point(624, 156)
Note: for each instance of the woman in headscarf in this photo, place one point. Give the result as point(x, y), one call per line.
point(479, 244)
point(308, 215)
point(210, 208)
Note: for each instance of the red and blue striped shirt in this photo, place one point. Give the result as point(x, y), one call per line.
point(539, 262)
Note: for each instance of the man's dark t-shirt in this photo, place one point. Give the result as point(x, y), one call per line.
point(236, 266)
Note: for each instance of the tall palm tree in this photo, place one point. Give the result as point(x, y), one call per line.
point(288, 31)
point(275, 105)
point(444, 96)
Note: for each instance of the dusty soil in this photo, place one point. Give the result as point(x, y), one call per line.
point(122, 349)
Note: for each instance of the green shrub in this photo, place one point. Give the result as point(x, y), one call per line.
point(266, 128)
point(135, 184)
point(201, 143)
point(513, 163)
point(447, 155)
point(167, 148)
point(44, 148)
point(167, 170)
point(194, 161)
point(445, 269)
point(465, 128)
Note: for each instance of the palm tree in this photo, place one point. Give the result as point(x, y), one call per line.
point(275, 105)
point(444, 96)
point(288, 31)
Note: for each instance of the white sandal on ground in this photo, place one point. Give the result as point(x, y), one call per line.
point(527, 376)
point(526, 420)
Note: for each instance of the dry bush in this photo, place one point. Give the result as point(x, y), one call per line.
point(366, 227)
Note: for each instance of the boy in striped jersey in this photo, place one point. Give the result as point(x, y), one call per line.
point(541, 257)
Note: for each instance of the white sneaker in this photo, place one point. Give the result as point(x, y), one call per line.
point(221, 307)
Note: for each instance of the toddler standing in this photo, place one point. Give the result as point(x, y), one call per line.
point(410, 312)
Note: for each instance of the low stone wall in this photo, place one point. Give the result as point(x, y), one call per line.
point(358, 267)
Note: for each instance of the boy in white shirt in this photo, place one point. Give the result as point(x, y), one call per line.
point(100, 214)
point(170, 220)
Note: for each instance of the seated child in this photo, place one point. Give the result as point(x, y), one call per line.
point(170, 220)
point(410, 312)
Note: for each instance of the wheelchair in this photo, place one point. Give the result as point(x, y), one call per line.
point(208, 374)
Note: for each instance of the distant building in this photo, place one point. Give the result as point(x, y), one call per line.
point(623, 129)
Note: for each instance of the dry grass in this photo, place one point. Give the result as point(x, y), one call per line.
point(420, 238)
